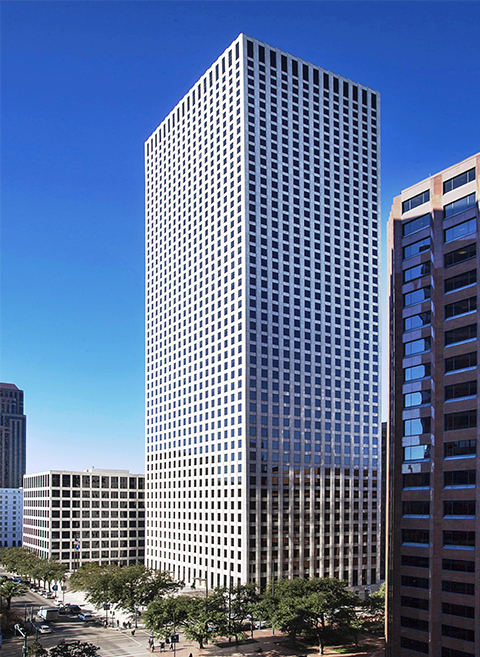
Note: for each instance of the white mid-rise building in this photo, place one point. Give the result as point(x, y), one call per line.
point(77, 517)
point(262, 335)
point(11, 517)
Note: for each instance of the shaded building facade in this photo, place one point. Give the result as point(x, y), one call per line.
point(433, 601)
point(13, 432)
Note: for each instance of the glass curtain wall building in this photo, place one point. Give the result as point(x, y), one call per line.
point(262, 341)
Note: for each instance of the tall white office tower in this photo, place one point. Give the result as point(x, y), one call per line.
point(262, 423)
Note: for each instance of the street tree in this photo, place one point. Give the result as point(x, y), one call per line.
point(73, 649)
point(137, 585)
point(37, 650)
point(201, 619)
point(97, 581)
point(9, 590)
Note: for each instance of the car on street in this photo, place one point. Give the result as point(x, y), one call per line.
point(49, 595)
point(44, 628)
point(85, 616)
point(72, 609)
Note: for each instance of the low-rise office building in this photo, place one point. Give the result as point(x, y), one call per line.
point(76, 517)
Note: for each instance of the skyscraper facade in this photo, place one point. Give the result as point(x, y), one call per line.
point(13, 431)
point(433, 558)
point(262, 422)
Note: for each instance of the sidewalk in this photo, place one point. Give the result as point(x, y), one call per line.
point(79, 598)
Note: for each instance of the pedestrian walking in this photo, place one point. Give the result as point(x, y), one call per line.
point(153, 648)
point(171, 646)
point(118, 623)
point(162, 646)
point(133, 632)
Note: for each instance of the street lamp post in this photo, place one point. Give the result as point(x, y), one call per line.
point(24, 634)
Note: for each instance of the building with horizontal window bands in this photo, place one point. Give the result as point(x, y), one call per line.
point(13, 436)
point(433, 534)
point(262, 341)
point(76, 517)
point(11, 517)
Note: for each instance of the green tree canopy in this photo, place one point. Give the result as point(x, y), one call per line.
point(9, 590)
point(127, 587)
point(37, 650)
point(317, 608)
point(73, 649)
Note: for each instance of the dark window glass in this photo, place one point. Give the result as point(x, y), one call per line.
point(415, 201)
point(459, 539)
point(460, 255)
point(460, 448)
point(458, 565)
point(416, 480)
point(76, 481)
point(460, 307)
point(452, 652)
point(415, 582)
point(462, 280)
point(416, 508)
point(458, 421)
point(458, 390)
point(415, 561)
point(458, 181)
point(461, 633)
point(414, 603)
point(460, 478)
point(414, 623)
point(461, 362)
point(416, 224)
point(459, 508)
point(415, 248)
point(416, 272)
point(56, 480)
point(460, 334)
point(458, 610)
point(413, 644)
point(66, 480)
point(463, 588)
point(416, 536)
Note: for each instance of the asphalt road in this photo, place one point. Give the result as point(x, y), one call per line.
point(111, 642)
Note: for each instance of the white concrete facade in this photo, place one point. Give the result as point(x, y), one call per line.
point(92, 515)
point(262, 382)
point(11, 517)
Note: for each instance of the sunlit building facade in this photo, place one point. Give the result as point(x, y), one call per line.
point(262, 340)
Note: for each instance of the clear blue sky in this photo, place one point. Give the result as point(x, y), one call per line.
point(83, 85)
